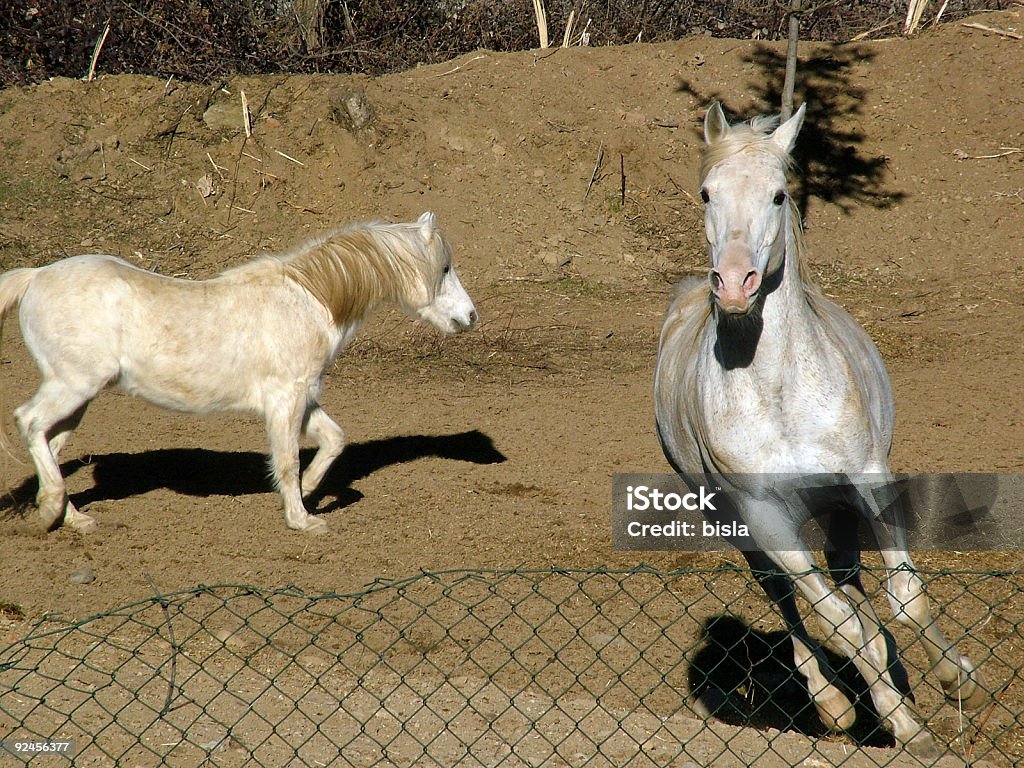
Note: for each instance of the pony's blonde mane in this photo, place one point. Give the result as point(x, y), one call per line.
point(755, 137)
point(351, 270)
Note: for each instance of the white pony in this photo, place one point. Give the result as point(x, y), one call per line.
point(761, 378)
point(256, 338)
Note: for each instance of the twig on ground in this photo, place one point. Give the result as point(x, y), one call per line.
point(289, 157)
point(961, 155)
point(246, 119)
point(597, 169)
point(622, 180)
point(995, 30)
point(456, 69)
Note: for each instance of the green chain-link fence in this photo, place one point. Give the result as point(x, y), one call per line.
point(490, 668)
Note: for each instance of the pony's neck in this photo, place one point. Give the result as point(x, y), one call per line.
point(350, 273)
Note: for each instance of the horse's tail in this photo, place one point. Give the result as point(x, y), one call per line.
point(13, 285)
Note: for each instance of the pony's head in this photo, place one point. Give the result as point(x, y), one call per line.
point(437, 296)
point(746, 203)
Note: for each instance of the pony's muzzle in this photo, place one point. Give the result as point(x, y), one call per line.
point(460, 324)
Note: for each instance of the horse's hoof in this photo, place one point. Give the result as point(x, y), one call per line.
point(968, 689)
point(83, 523)
point(923, 746)
point(835, 710)
point(314, 526)
point(51, 515)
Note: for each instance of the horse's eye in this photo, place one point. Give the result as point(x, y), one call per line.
point(704, 195)
point(780, 198)
point(446, 270)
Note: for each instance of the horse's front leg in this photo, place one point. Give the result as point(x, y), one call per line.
point(834, 709)
point(284, 417)
point(330, 441)
point(861, 641)
point(961, 681)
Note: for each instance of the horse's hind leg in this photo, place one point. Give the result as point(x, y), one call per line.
point(330, 440)
point(54, 407)
point(59, 437)
point(958, 676)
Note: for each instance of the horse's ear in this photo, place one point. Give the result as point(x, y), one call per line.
point(715, 124)
point(785, 134)
point(428, 225)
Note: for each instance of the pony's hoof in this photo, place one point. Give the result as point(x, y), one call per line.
point(968, 689)
point(923, 746)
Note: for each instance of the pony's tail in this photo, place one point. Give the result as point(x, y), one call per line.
point(13, 285)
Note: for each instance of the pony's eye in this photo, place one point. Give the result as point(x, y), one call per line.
point(780, 198)
point(446, 270)
point(704, 195)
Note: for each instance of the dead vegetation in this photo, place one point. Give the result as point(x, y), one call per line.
point(204, 40)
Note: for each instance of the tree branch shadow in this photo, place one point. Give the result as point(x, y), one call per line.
point(201, 473)
point(834, 168)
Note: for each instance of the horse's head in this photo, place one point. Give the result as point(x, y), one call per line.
point(441, 300)
point(746, 204)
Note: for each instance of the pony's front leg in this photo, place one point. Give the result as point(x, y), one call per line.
point(330, 441)
point(283, 422)
point(961, 681)
point(834, 709)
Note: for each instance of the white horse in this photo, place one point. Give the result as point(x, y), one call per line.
point(760, 377)
point(256, 338)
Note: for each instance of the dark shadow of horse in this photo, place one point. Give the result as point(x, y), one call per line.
point(200, 472)
point(745, 677)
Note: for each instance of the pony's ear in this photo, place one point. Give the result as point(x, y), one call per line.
point(428, 225)
point(715, 124)
point(785, 134)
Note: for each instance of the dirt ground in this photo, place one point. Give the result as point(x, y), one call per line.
point(566, 180)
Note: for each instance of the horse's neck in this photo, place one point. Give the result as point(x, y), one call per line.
point(770, 344)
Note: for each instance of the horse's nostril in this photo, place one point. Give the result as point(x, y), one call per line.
point(473, 317)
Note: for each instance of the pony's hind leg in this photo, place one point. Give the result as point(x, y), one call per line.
point(958, 676)
point(283, 422)
point(46, 422)
point(330, 440)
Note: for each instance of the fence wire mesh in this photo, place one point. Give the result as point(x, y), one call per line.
point(491, 668)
